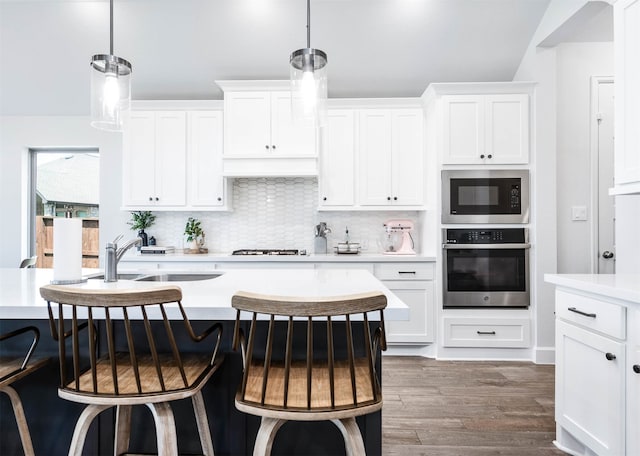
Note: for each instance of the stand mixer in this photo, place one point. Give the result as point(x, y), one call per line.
point(394, 228)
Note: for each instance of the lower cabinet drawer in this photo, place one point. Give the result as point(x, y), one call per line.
point(487, 332)
point(404, 271)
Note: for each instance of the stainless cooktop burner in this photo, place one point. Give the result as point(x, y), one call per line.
point(265, 252)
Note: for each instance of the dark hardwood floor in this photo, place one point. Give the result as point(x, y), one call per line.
point(467, 408)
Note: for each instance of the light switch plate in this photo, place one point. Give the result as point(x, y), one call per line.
point(579, 213)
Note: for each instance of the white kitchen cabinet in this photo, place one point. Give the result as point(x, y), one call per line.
point(591, 393)
point(413, 284)
point(337, 160)
point(633, 385)
point(477, 332)
point(261, 138)
point(485, 129)
point(391, 157)
point(207, 187)
point(627, 96)
point(590, 388)
point(154, 159)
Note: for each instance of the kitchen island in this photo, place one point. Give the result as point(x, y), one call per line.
point(51, 419)
point(597, 363)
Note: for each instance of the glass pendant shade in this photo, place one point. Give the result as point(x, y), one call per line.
point(308, 78)
point(110, 91)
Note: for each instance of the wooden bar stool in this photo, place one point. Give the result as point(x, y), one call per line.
point(13, 369)
point(138, 375)
point(335, 385)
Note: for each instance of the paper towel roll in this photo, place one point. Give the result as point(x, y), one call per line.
point(67, 250)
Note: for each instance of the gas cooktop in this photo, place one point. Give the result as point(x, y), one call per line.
point(265, 252)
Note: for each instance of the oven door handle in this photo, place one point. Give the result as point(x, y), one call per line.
point(485, 246)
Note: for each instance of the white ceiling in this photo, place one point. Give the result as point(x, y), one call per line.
point(178, 48)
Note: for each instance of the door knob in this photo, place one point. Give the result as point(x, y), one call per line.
point(606, 254)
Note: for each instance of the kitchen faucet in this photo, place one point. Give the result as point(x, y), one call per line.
point(113, 256)
point(320, 241)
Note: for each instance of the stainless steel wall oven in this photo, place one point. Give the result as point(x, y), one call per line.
point(486, 267)
point(485, 196)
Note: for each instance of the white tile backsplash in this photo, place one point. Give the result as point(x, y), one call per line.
point(276, 213)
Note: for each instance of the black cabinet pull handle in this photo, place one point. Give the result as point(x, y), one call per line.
point(636, 368)
point(610, 356)
point(574, 310)
point(486, 333)
point(406, 272)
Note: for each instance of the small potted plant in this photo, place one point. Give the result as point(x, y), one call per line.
point(140, 220)
point(194, 233)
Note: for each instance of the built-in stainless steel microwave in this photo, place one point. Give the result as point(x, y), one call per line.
point(485, 196)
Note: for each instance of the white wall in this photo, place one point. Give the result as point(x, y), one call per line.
point(17, 135)
point(576, 64)
point(627, 230)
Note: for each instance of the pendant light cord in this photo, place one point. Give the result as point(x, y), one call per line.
point(308, 24)
point(111, 27)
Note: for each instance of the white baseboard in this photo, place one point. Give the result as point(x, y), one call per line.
point(545, 355)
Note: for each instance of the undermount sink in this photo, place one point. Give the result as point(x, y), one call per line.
point(169, 277)
point(178, 277)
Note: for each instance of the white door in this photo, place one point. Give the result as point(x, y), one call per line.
point(205, 158)
point(464, 130)
point(247, 124)
point(375, 157)
point(289, 137)
point(407, 154)
point(138, 170)
point(605, 249)
point(507, 129)
point(589, 388)
point(337, 162)
point(171, 158)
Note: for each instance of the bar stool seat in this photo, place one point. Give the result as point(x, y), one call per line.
point(13, 369)
point(338, 383)
point(133, 373)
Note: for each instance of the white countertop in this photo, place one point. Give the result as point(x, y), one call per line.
point(619, 286)
point(204, 299)
point(313, 258)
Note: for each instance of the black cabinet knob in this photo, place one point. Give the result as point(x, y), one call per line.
point(150, 199)
point(489, 156)
point(157, 199)
point(266, 146)
point(388, 198)
point(273, 147)
point(324, 198)
point(636, 368)
point(610, 356)
point(219, 199)
point(482, 156)
point(395, 198)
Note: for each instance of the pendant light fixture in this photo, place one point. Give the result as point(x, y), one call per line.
point(308, 74)
point(110, 86)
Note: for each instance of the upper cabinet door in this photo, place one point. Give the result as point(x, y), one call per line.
point(485, 129)
point(464, 130)
point(507, 129)
point(407, 157)
point(290, 137)
point(627, 95)
point(247, 124)
point(337, 159)
point(138, 158)
point(170, 162)
point(375, 157)
point(206, 184)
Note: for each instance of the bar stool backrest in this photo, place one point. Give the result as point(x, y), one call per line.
point(297, 379)
point(120, 371)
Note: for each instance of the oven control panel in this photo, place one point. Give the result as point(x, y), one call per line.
point(485, 236)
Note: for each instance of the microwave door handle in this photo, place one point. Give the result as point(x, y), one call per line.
point(485, 246)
